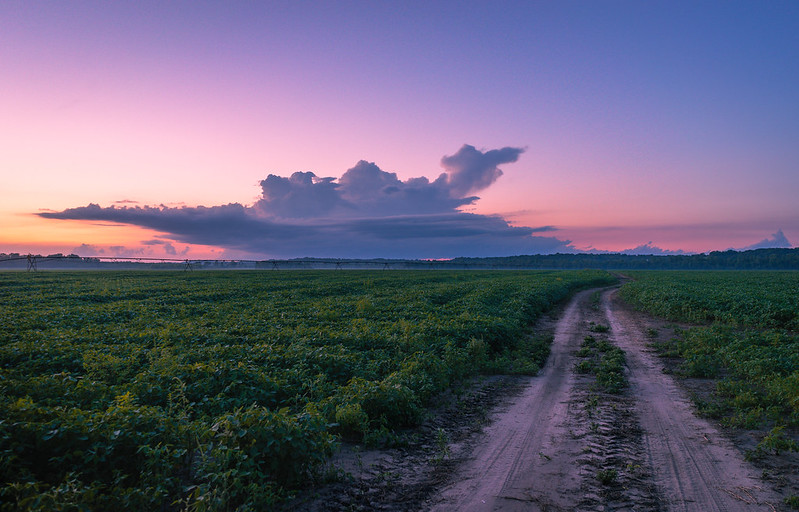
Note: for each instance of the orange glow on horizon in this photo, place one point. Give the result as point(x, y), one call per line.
point(32, 234)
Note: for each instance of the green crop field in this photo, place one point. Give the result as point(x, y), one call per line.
point(748, 339)
point(221, 390)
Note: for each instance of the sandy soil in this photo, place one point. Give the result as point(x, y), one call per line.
point(695, 466)
point(552, 448)
point(547, 451)
point(528, 453)
point(554, 442)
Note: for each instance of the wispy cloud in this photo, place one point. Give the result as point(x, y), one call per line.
point(166, 246)
point(88, 249)
point(367, 212)
point(126, 252)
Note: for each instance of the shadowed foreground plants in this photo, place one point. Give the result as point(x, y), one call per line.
point(227, 390)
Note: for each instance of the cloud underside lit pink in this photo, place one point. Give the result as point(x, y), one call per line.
point(366, 213)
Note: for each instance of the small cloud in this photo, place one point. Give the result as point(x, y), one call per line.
point(88, 250)
point(167, 246)
point(122, 251)
point(470, 170)
point(544, 229)
point(777, 240)
point(651, 250)
point(647, 249)
point(125, 201)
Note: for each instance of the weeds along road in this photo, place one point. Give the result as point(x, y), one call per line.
point(695, 467)
point(564, 445)
point(528, 453)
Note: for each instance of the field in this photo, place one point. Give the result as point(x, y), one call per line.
point(747, 337)
point(221, 390)
point(607, 424)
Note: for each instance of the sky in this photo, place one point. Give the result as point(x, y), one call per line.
point(397, 129)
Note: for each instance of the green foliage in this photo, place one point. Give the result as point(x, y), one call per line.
point(607, 476)
point(760, 299)
point(598, 327)
point(605, 361)
point(610, 372)
point(352, 420)
point(749, 342)
point(777, 441)
point(585, 367)
point(252, 453)
point(225, 390)
point(442, 446)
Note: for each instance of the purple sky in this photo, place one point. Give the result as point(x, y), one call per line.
point(418, 129)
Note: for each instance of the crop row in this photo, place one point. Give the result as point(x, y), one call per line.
point(758, 299)
point(749, 340)
point(221, 390)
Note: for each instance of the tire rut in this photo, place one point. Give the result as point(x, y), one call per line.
point(565, 445)
point(695, 467)
point(546, 451)
point(527, 459)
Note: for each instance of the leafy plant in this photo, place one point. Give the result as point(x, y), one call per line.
point(607, 476)
point(747, 338)
point(226, 390)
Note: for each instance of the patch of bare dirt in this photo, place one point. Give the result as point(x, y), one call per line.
point(402, 477)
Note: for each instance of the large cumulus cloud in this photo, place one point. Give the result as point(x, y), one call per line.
point(365, 213)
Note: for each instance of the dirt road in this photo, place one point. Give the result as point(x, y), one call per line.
point(561, 445)
point(528, 452)
point(695, 467)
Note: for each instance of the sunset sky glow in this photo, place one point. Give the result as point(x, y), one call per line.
point(432, 129)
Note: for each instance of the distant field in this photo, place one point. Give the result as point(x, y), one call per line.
point(218, 390)
point(749, 339)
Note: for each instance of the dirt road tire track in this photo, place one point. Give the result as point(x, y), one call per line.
point(536, 455)
point(550, 438)
point(528, 460)
point(695, 467)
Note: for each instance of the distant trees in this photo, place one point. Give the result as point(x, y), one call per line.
point(760, 259)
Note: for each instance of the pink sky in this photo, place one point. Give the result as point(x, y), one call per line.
point(666, 123)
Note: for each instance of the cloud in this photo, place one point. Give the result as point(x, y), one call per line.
point(167, 246)
point(470, 170)
point(369, 191)
point(365, 213)
point(651, 250)
point(126, 252)
point(303, 195)
point(647, 249)
point(83, 249)
point(777, 240)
